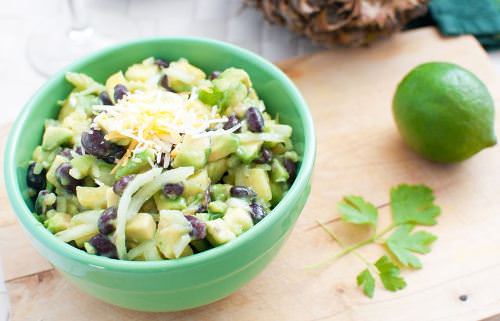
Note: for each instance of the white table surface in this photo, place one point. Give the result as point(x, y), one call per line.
point(220, 19)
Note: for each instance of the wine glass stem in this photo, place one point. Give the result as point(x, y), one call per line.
point(79, 17)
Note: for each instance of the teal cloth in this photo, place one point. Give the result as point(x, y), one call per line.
point(480, 18)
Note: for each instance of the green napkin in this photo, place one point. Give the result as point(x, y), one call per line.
point(480, 18)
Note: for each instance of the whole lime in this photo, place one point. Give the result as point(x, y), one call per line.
point(444, 112)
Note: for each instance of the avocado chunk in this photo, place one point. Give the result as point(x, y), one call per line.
point(277, 191)
point(196, 183)
point(173, 234)
point(249, 151)
point(101, 171)
point(182, 76)
point(255, 178)
point(92, 197)
point(192, 152)
point(55, 136)
point(201, 245)
point(220, 192)
point(143, 71)
point(238, 220)
point(222, 146)
point(81, 166)
point(219, 232)
point(136, 164)
point(217, 207)
point(58, 222)
point(112, 199)
point(166, 203)
point(217, 169)
point(279, 174)
point(140, 228)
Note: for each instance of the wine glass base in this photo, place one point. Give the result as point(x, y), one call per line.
point(54, 45)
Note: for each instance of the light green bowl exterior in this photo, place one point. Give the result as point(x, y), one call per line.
point(191, 281)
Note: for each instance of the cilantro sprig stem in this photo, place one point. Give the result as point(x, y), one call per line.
point(411, 206)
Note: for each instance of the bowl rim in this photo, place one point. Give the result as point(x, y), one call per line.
point(42, 235)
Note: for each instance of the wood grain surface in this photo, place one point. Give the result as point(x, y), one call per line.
point(349, 92)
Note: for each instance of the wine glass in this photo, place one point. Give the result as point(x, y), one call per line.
point(62, 39)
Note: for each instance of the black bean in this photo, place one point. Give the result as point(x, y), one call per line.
point(79, 150)
point(162, 63)
point(231, 122)
point(36, 181)
point(255, 121)
point(119, 92)
point(173, 190)
point(164, 83)
point(241, 192)
point(214, 74)
point(42, 204)
point(265, 156)
point(120, 185)
point(105, 223)
point(93, 143)
point(103, 246)
point(257, 212)
point(291, 168)
point(104, 97)
point(65, 179)
point(199, 230)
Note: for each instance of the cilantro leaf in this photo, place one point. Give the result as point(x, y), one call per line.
point(366, 282)
point(354, 209)
point(402, 243)
point(389, 274)
point(413, 204)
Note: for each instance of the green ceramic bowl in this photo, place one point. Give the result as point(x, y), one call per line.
point(190, 281)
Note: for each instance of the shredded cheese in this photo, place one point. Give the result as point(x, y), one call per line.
point(157, 119)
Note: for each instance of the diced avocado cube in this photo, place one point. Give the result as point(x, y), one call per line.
point(217, 207)
point(196, 183)
point(220, 192)
point(200, 245)
point(238, 220)
point(173, 234)
point(210, 96)
point(51, 173)
point(149, 207)
point(55, 136)
point(112, 199)
point(45, 157)
point(81, 166)
point(219, 232)
point(82, 82)
point(142, 72)
point(277, 191)
point(233, 161)
point(182, 76)
point(166, 203)
point(89, 248)
point(136, 164)
point(187, 251)
point(249, 151)
point(279, 174)
point(292, 155)
point(140, 228)
point(192, 152)
point(232, 76)
point(58, 221)
point(101, 171)
point(223, 145)
point(255, 178)
point(217, 169)
point(92, 197)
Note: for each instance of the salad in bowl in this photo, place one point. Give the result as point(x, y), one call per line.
point(159, 162)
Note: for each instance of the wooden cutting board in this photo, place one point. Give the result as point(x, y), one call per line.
point(349, 92)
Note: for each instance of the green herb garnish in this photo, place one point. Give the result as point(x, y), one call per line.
point(411, 206)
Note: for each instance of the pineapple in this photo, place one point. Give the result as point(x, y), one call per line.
point(341, 22)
